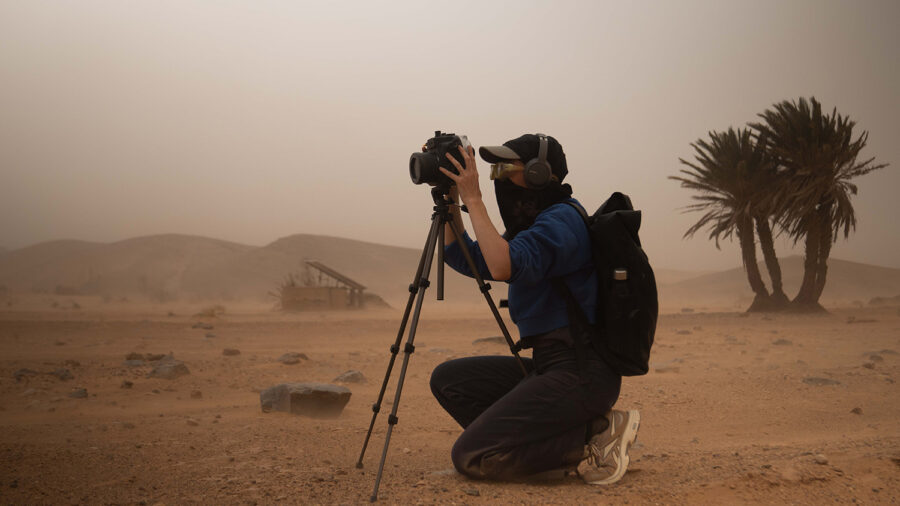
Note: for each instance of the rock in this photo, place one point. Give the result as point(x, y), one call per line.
point(292, 358)
point(351, 376)
point(201, 325)
point(687, 310)
point(230, 352)
point(72, 363)
point(133, 363)
point(24, 373)
point(820, 381)
point(472, 491)
point(666, 367)
point(876, 358)
point(154, 357)
point(62, 374)
point(196, 394)
point(820, 459)
point(869, 365)
point(78, 393)
point(315, 400)
point(490, 340)
point(127, 425)
point(888, 352)
point(782, 342)
point(126, 384)
point(134, 356)
point(209, 335)
point(856, 411)
point(683, 332)
point(169, 369)
point(192, 422)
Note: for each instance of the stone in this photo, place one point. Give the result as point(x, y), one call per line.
point(820, 459)
point(133, 363)
point(856, 411)
point(230, 352)
point(62, 374)
point(134, 356)
point(351, 376)
point(869, 365)
point(490, 340)
point(210, 335)
point(683, 332)
point(78, 393)
point(292, 358)
point(472, 491)
point(24, 373)
point(196, 394)
point(192, 422)
point(126, 384)
point(876, 358)
point(154, 357)
point(782, 342)
point(169, 369)
point(820, 381)
point(687, 310)
point(316, 400)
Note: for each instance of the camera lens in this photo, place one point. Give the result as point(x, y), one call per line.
point(421, 168)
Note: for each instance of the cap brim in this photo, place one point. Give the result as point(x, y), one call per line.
point(495, 154)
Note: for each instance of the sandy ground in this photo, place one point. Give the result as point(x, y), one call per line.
point(727, 416)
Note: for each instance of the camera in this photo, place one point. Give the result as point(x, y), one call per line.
point(423, 166)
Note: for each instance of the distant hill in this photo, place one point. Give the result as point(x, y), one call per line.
point(172, 266)
point(847, 282)
point(166, 267)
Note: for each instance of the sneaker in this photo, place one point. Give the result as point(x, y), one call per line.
point(606, 455)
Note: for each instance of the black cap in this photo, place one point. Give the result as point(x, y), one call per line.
point(525, 148)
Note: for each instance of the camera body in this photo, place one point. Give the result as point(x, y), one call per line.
point(423, 166)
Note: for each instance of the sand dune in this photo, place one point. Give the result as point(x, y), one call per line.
point(171, 266)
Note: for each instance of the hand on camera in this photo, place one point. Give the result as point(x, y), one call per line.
point(466, 182)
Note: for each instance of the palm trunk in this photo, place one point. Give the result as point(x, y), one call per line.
point(767, 244)
point(822, 267)
point(748, 254)
point(805, 300)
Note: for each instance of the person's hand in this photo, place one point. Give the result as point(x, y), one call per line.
point(467, 180)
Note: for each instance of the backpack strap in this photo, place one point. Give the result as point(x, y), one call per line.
point(577, 326)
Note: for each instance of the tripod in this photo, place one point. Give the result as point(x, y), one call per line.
point(435, 240)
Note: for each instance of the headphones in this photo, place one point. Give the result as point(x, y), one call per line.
point(538, 173)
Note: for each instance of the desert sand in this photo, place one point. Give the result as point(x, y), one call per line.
point(737, 409)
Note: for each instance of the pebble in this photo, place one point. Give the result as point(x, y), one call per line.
point(230, 352)
point(472, 491)
point(351, 376)
point(196, 394)
point(126, 384)
point(820, 459)
point(192, 422)
point(78, 393)
point(856, 411)
point(820, 381)
point(292, 358)
point(782, 342)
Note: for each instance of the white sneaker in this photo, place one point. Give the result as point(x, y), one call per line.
point(606, 455)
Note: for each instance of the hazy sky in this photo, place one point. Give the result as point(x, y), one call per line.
point(249, 121)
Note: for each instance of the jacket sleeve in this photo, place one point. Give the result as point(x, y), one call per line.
point(453, 256)
point(555, 245)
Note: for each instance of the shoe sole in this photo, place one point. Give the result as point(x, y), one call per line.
point(628, 439)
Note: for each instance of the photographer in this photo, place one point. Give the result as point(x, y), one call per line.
point(559, 416)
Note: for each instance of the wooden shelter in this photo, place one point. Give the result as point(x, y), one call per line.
point(329, 289)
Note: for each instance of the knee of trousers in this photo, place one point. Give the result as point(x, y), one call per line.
point(439, 377)
point(466, 460)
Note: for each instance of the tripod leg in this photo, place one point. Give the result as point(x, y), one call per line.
point(409, 348)
point(484, 287)
point(395, 348)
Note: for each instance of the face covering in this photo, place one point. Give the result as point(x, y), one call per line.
point(519, 206)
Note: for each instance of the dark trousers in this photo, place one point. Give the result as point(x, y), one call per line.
point(516, 426)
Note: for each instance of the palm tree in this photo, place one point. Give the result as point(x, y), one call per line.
point(731, 173)
point(817, 156)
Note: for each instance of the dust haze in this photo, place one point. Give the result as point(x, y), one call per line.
point(251, 122)
point(170, 170)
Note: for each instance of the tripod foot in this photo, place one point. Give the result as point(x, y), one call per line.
point(373, 498)
point(359, 465)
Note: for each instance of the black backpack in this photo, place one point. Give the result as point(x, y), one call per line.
point(627, 305)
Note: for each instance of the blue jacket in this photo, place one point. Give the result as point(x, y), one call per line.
point(555, 245)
